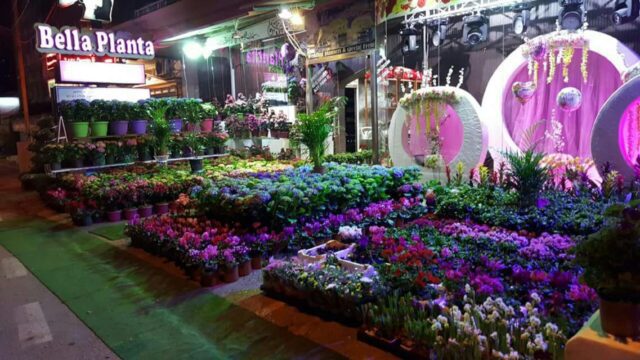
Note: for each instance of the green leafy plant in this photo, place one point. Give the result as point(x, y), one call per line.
point(526, 175)
point(160, 128)
point(314, 129)
point(610, 256)
point(195, 143)
point(191, 111)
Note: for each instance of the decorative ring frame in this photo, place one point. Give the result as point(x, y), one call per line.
point(475, 135)
point(605, 138)
point(620, 56)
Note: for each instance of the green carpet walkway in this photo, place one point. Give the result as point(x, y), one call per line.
point(140, 311)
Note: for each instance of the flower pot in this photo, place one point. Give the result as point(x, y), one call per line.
point(244, 268)
point(144, 156)
point(231, 274)
point(119, 127)
point(255, 133)
point(256, 262)
point(145, 211)
point(129, 213)
point(84, 220)
point(206, 126)
point(208, 279)
point(55, 166)
point(192, 127)
point(99, 160)
point(620, 318)
point(80, 129)
point(208, 151)
point(196, 165)
point(138, 127)
point(161, 208)
point(114, 216)
point(162, 159)
point(175, 125)
point(78, 163)
point(284, 134)
point(99, 128)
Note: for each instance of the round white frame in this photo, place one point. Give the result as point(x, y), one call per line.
point(499, 138)
point(475, 135)
point(605, 138)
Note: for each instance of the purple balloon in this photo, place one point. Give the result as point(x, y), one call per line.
point(288, 52)
point(569, 99)
point(539, 51)
point(523, 91)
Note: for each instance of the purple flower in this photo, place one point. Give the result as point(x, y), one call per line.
point(542, 203)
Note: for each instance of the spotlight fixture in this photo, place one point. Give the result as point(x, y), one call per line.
point(285, 14)
point(409, 40)
point(438, 31)
point(521, 21)
point(193, 50)
point(625, 11)
point(572, 14)
point(475, 29)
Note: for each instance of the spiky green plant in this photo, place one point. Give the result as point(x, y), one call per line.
point(160, 128)
point(526, 175)
point(314, 129)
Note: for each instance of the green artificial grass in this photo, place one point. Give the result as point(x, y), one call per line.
point(110, 232)
point(140, 311)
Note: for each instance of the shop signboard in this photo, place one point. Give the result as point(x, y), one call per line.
point(389, 9)
point(264, 30)
point(95, 10)
point(341, 30)
point(68, 93)
point(101, 73)
point(70, 40)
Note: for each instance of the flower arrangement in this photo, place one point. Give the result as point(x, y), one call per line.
point(557, 47)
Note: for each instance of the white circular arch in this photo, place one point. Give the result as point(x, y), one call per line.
point(620, 56)
point(475, 136)
point(605, 138)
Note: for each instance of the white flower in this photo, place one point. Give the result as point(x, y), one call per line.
point(436, 326)
point(535, 297)
point(467, 288)
point(534, 321)
point(443, 320)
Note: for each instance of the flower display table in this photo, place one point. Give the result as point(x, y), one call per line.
point(592, 343)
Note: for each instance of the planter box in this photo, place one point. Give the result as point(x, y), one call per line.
point(307, 255)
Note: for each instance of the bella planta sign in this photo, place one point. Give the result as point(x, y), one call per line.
point(69, 40)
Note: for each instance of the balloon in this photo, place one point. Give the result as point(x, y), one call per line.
point(539, 51)
point(287, 51)
point(523, 91)
point(569, 99)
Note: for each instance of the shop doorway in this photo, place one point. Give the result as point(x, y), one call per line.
point(350, 118)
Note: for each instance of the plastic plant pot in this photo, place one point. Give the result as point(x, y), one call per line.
point(114, 216)
point(80, 129)
point(176, 125)
point(119, 128)
point(138, 127)
point(99, 128)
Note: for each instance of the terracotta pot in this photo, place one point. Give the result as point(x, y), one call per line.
point(244, 268)
point(256, 262)
point(161, 208)
point(208, 279)
point(129, 214)
point(620, 318)
point(231, 274)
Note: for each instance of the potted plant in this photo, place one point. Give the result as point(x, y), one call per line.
point(129, 150)
point(174, 108)
point(216, 142)
point(160, 129)
point(191, 112)
point(229, 265)
point(75, 154)
point(280, 126)
point(96, 152)
point(100, 116)
point(314, 129)
point(111, 201)
point(196, 146)
point(138, 116)
point(610, 258)
point(82, 212)
point(53, 154)
point(210, 112)
point(176, 146)
point(119, 117)
point(77, 113)
point(112, 151)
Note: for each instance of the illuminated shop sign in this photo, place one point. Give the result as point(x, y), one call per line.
point(69, 40)
point(261, 57)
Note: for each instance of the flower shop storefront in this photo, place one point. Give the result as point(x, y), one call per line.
point(370, 177)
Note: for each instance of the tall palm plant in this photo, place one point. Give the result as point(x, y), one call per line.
point(313, 130)
point(160, 127)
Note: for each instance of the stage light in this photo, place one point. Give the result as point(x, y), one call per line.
point(475, 29)
point(193, 50)
point(285, 14)
point(625, 11)
point(572, 14)
point(438, 32)
point(409, 39)
point(521, 22)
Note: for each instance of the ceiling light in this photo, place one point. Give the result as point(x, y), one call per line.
point(193, 50)
point(572, 14)
point(409, 40)
point(285, 14)
point(475, 29)
point(625, 11)
point(297, 19)
point(521, 22)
